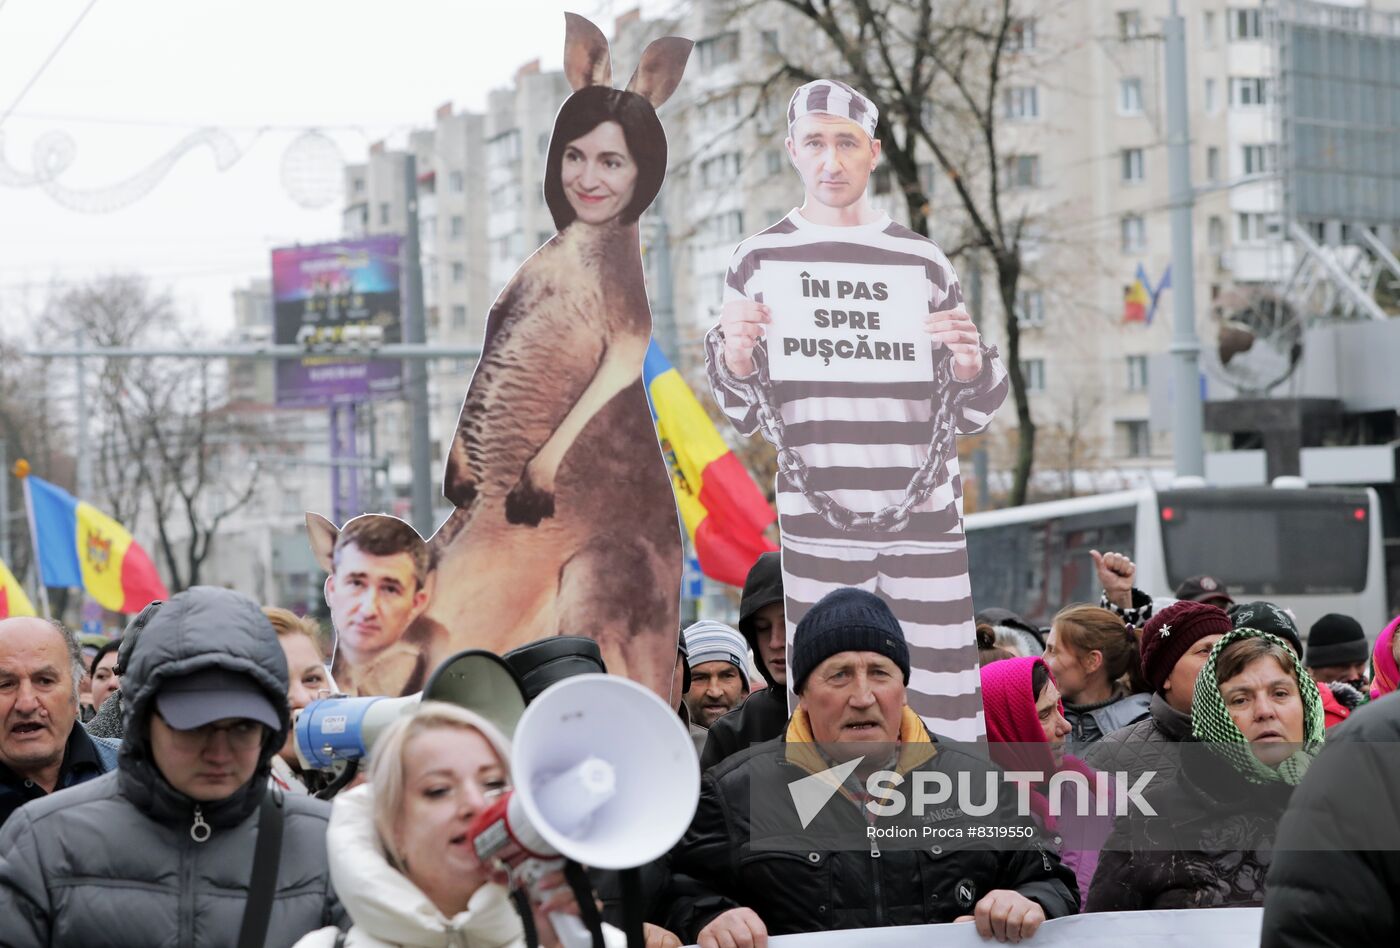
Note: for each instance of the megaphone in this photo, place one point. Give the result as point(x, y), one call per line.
point(604, 773)
point(332, 731)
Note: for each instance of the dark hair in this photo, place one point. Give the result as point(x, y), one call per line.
point(379, 535)
point(1240, 654)
point(580, 114)
point(1091, 629)
point(1040, 677)
point(108, 648)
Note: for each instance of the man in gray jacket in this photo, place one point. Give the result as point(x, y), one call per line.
point(161, 851)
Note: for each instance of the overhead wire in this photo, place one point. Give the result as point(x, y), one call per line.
point(47, 60)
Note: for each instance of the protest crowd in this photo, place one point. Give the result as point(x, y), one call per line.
point(169, 809)
point(179, 808)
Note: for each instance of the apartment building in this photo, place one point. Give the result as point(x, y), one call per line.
point(1081, 138)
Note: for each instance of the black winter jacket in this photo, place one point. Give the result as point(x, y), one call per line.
point(1208, 846)
point(761, 717)
point(716, 868)
point(1335, 880)
point(1150, 743)
point(113, 862)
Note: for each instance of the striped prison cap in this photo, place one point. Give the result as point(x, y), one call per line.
point(833, 98)
point(711, 641)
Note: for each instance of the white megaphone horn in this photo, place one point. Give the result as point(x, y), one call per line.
point(332, 731)
point(604, 773)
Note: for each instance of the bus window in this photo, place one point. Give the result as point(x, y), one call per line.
point(1268, 542)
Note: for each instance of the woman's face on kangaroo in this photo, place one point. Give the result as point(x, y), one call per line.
point(598, 174)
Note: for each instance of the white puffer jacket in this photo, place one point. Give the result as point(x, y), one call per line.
point(389, 911)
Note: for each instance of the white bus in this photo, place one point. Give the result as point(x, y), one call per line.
point(1312, 550)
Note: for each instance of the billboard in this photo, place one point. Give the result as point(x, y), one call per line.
point(320, 291)
point(1339, 83)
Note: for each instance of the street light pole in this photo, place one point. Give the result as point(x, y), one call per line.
point(1188, 424)
point(416, 372)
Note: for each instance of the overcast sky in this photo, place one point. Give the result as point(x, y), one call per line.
point(138, 76)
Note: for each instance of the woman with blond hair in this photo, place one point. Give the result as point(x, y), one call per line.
point(1094, 657)
point(402, 859)
point(308, 679)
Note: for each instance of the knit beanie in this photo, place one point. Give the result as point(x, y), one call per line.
point(846, 620)
point(1267, 617)
point(1170, 634)
point(711, 641)
point(1336, 640)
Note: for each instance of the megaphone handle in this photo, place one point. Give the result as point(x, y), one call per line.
point(571, 930)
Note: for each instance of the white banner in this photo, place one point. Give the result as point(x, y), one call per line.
point(846, 322)
point(1184, 928)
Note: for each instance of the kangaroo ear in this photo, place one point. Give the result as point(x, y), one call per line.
point(661, 68)
point(586, 59)
point(323, 535)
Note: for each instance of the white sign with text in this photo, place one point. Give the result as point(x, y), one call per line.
point(846, 322)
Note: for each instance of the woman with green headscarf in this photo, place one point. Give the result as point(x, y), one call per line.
point(1256, 724)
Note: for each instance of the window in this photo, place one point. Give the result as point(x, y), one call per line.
point(1137, 373)
point(775, 161)
point(1132, 165)
point(459, 317)
point(1030, 308)
point(459, 272)
point(1259, 159)
point(384, 213)
point(715, 284)
point(1249, 91)
point(542, 144)
point(1208, 29)
point(1021, 102)
point(1033, 371)
point(1215, 234)
point(718, 50)
point(721, 171)
point(1020, 35)
point(1133, 439)
point(456, 182)
point(1211, 104)
point(1245, 24)
point(1256, 227)
point(882, 181)
point(1132, 234)
point(770, 42)
point(1129, 24)
point(1212, 164)
point(504, 149)
point(359, 185)
point(459, 225)
point(723, 108)
point(1022, 171)
point(1130, 96)
point(726, 226)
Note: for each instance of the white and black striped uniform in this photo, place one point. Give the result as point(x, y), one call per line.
point(862, 442)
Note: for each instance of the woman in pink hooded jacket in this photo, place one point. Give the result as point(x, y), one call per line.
point(1384, 660)
point(1026, 731)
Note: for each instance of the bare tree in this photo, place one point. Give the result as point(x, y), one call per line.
point(937, 73)
point(1075, 443)
point(165, 443)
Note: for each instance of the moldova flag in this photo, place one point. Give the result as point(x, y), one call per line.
point(78, 545)
point(724, 511)
point(1136, 297)
point(13, 601)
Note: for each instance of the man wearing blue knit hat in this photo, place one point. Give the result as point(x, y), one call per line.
point(719, 674)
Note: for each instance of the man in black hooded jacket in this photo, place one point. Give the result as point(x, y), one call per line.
point(762, 621)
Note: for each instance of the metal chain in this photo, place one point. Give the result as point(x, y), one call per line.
point(930, 475)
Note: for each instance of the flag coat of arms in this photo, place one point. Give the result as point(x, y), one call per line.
point(78, 545)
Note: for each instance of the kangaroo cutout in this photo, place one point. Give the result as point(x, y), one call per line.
point(380, 580)
point(566, 521)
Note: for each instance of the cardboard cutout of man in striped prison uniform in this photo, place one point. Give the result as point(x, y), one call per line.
point(857, 396)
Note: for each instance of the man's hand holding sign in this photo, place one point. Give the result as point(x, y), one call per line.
point(742, 322)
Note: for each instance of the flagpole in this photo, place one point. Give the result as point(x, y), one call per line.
point(21, 470)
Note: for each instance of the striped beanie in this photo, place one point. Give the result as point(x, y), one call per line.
point(830, 97)
point(711, 641)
